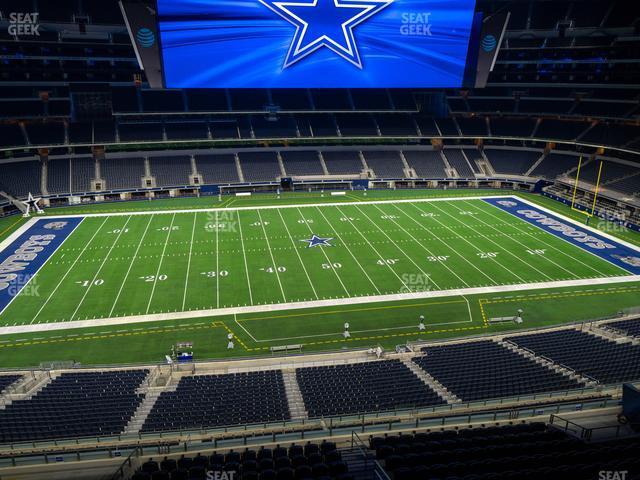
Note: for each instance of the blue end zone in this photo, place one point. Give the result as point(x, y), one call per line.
point(610, 250)
point(22, 259)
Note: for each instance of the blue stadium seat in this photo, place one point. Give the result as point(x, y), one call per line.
point(218, 400)
point(75, 405)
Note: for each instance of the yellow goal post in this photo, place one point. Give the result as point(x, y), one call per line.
point(595, 192)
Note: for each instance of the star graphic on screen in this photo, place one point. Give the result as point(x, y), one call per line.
point(325, 23)
point(316, 241)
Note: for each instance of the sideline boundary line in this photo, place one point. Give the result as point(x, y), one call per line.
point(325, 302)
point(548, 296)
point(20, 230)
point(613, 239)
point(578, 224)
point(540, 239)
point(313, 304)
point(355, 310)
point(219, 324)
point(272, 207)
point(14, 236)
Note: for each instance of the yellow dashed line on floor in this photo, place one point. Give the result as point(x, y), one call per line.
point(552, 296)
point(112, 335)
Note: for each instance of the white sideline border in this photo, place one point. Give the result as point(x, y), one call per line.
point(194, 314)
point(19, 231)
point(274, 207)
point(15, 235)
point(577, 223)
point(101, 322)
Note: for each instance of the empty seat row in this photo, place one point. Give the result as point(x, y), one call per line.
point(218, 400)
point(296, 462)
point(362, 387)
point(595, 357)
point(75, 405)
point(482, 370)
point(628, 327)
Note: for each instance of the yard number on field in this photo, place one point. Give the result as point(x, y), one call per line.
point(153, 278)
point(273, 270)
point(328, 266)
point(387, 261)
point(86, 283)
point(221, 273)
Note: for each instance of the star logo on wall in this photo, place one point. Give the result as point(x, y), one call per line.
point(316, 241)
point(325, 23)
point(31, 204)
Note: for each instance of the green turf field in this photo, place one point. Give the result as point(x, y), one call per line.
point(386, 324)
point(131, 265)
point(249, 271)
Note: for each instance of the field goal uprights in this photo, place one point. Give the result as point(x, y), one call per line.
point(589, 213)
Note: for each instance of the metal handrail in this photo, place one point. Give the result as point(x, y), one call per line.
point(584, 433)
point(125, 468)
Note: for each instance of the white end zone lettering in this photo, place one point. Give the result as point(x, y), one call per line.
point(564, 229)
point(618, 252)
point(21, 259)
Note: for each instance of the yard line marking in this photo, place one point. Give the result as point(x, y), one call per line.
point(271, 207)
point(68, 271)
point(348, 249)
point(25, 227)
point(217, 264)
point(344, 287)
point(396, 245)
point(445, 243)
point(509, 252)
point(517, 225)
point(613, 238)
point(164, 249)
point(135, 256)
point(446, 266)
point(298, 254)
point(373, 248)
point(235, 319)
point(472, 245)
point(104, 261)
point(573, 274)
point(186, 280)
point(419, 243)
point(435, 256)
point(273, 261)
point(334, 303)
point(244, 255)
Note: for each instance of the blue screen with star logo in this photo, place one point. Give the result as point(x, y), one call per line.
point(315, 43)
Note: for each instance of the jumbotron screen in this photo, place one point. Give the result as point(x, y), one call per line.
point(315, 43)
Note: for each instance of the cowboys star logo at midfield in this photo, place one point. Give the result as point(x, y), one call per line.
point(316, 241)
point(325, 23)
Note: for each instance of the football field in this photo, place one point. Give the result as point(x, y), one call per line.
point(142, 266)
